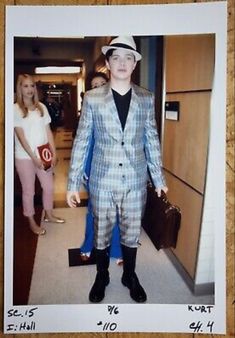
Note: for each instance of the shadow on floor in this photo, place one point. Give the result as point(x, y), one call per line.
point(25, 244)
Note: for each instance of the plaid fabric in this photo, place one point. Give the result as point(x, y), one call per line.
point(120, 158)
point(128, 205)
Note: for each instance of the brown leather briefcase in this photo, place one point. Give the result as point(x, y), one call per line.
point(161, 220)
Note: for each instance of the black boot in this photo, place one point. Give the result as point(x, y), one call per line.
point(129, 277)
point(97, 292)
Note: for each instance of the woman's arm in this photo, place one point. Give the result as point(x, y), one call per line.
point(21, 137)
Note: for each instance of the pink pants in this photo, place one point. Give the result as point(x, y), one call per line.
point(27, 172)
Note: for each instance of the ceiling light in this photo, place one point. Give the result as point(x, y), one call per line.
point(57, 70)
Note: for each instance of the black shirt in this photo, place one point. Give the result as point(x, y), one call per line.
point(122, 103)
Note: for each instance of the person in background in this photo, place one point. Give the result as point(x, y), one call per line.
point(54, 110)
point(32, 129)
point(87, 256)
point(121, 116)
point(98, 79)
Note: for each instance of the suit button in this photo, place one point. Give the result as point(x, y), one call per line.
point(120, 164)
point(122, 143)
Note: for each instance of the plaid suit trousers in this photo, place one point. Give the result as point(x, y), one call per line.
point(128, 205)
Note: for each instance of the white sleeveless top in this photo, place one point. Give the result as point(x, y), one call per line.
point(34, 127)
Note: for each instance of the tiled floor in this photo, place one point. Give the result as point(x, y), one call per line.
point(71, 285)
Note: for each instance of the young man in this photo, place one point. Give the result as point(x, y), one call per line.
point(121, 116)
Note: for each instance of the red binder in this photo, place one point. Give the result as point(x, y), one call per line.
point(45, 154)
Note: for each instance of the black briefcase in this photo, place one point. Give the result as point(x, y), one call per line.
point(161, 220)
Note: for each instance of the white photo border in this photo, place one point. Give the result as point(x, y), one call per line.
point(173, 19)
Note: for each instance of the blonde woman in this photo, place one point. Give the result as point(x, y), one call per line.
point(32, 129)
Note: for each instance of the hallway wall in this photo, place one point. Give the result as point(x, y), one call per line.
point(189, 65)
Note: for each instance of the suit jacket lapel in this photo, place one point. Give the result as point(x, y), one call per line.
point(111, 109)
point(133, 109)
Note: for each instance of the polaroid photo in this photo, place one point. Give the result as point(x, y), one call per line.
point(186, 284)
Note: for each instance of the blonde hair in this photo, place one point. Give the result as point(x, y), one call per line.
point(19, 96)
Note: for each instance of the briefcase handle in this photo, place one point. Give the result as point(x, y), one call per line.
point(164, 198)
point(163, 194)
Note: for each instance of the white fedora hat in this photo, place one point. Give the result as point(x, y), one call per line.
point(123, 42)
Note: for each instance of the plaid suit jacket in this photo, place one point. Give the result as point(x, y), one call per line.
point(119, 157)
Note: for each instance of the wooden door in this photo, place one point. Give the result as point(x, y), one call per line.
point(189, 65)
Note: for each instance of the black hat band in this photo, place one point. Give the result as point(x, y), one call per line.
point(122, 45)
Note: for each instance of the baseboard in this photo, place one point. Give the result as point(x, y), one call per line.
point(196, 289)
point(204, 289)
